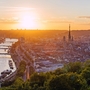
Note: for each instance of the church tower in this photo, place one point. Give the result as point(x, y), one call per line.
point(69, 34)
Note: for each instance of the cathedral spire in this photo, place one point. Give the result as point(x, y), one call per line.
point(69, 35)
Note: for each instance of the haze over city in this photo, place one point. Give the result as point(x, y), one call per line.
point(44, 14)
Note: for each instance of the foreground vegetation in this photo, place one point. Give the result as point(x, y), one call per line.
point(73, 76)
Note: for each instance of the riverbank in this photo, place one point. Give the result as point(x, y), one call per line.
point(5, 57)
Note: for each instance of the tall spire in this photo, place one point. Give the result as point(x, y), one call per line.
point(69, 35)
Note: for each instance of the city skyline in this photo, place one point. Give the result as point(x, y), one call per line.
point(42, 14)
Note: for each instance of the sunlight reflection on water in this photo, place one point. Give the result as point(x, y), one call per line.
point(4, 59)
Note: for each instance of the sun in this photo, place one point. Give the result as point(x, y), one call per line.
point(28, 21)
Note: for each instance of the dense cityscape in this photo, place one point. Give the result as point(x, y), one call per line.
point(50, 54)
point(31, 55)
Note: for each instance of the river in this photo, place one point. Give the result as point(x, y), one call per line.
point(4, 55)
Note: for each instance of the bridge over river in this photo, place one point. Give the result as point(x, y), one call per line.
point(4, 48)
point(5, 56)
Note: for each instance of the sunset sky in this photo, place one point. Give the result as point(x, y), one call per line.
point(45, 14)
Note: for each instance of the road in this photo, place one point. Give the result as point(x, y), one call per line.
point(21, 56)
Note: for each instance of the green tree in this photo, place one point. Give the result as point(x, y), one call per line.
point(18, 82)
point(86, 63)
point(69, 81)
point(21, 69)
point(73, 67)
point(76, 81)
point(37, 79)
point(86, 74)
point(58, 83)
point(59, 71)
point(25, 86)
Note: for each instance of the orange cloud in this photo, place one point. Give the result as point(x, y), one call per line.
point(16, 9)
point(57, 21)
point(84, 17)
point(12, 20)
